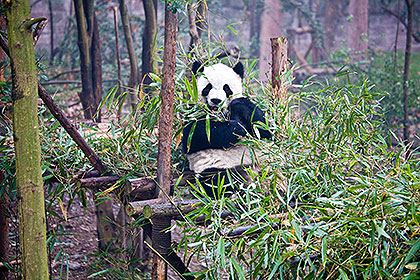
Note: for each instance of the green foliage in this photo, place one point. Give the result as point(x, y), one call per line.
point(334, 199)
point(386, 72)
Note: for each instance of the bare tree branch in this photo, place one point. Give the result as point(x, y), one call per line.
point(388, 10)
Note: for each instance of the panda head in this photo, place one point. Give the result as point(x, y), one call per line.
point(219, 84)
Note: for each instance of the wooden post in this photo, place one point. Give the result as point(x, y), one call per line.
point(164, 175)
point(161, 239)
point(104, 223)
point(279, 67)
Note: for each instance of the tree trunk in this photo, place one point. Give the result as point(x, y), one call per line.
point(117, 49)
point(4, 201)
point(194, 34)
point(197, 21)
point(270, 28)
point(256, 9)
point(96, 67)
point(134, 69)
point(148, 65)
point(4, 227)
point(90, 58)
point(358, 32)
point(32, 225)
point(332, 15)
point(3, 28)
point(410, 10)
point(51, 20)
point(86, 96)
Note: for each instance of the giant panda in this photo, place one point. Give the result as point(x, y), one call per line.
point(222, 159)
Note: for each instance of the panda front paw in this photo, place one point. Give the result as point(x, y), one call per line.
point(237, 128)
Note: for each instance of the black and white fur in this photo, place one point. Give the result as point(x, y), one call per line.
point(220, 88)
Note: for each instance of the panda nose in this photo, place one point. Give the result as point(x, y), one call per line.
point(215, 101)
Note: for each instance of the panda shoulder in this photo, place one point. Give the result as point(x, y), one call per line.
point(241, 101)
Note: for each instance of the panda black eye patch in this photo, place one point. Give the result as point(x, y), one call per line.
point(228, 91)
point(206, 90)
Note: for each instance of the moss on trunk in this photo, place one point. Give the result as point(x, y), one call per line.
point(32, 222)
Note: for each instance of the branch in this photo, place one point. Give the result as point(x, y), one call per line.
point(32, 21)
point(195, 37)
point(158, 208)
point(97, 182)
point(38, 30)
point(401, 19)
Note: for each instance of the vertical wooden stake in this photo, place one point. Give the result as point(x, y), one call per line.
point(161, 240)
point(279, 67)
point(166, 112)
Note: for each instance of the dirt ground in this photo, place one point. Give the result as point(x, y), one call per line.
point(80, 246)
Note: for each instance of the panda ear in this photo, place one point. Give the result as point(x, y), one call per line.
point(239, 69)
point(196, 67)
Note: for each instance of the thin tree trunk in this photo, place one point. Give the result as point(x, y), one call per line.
point(3, 28)
point(134, 69)
point(32, 225)
point(197, 21)
point(397, 32)
point(90, 58)
point(194, 33)
point(51, 20)
point(256, 9)
point(410, 10)
point(117, 49)
point(86, 96)
point(96, 68)
point(148, 65)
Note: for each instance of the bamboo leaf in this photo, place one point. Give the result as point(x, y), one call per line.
point(238, 269)
point(99, 273)
point(324, 250)
point(412, 251)
point(221, 252)
point(190, 135)
point(208, 127)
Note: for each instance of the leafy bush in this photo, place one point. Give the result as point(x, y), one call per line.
point(334, 199)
